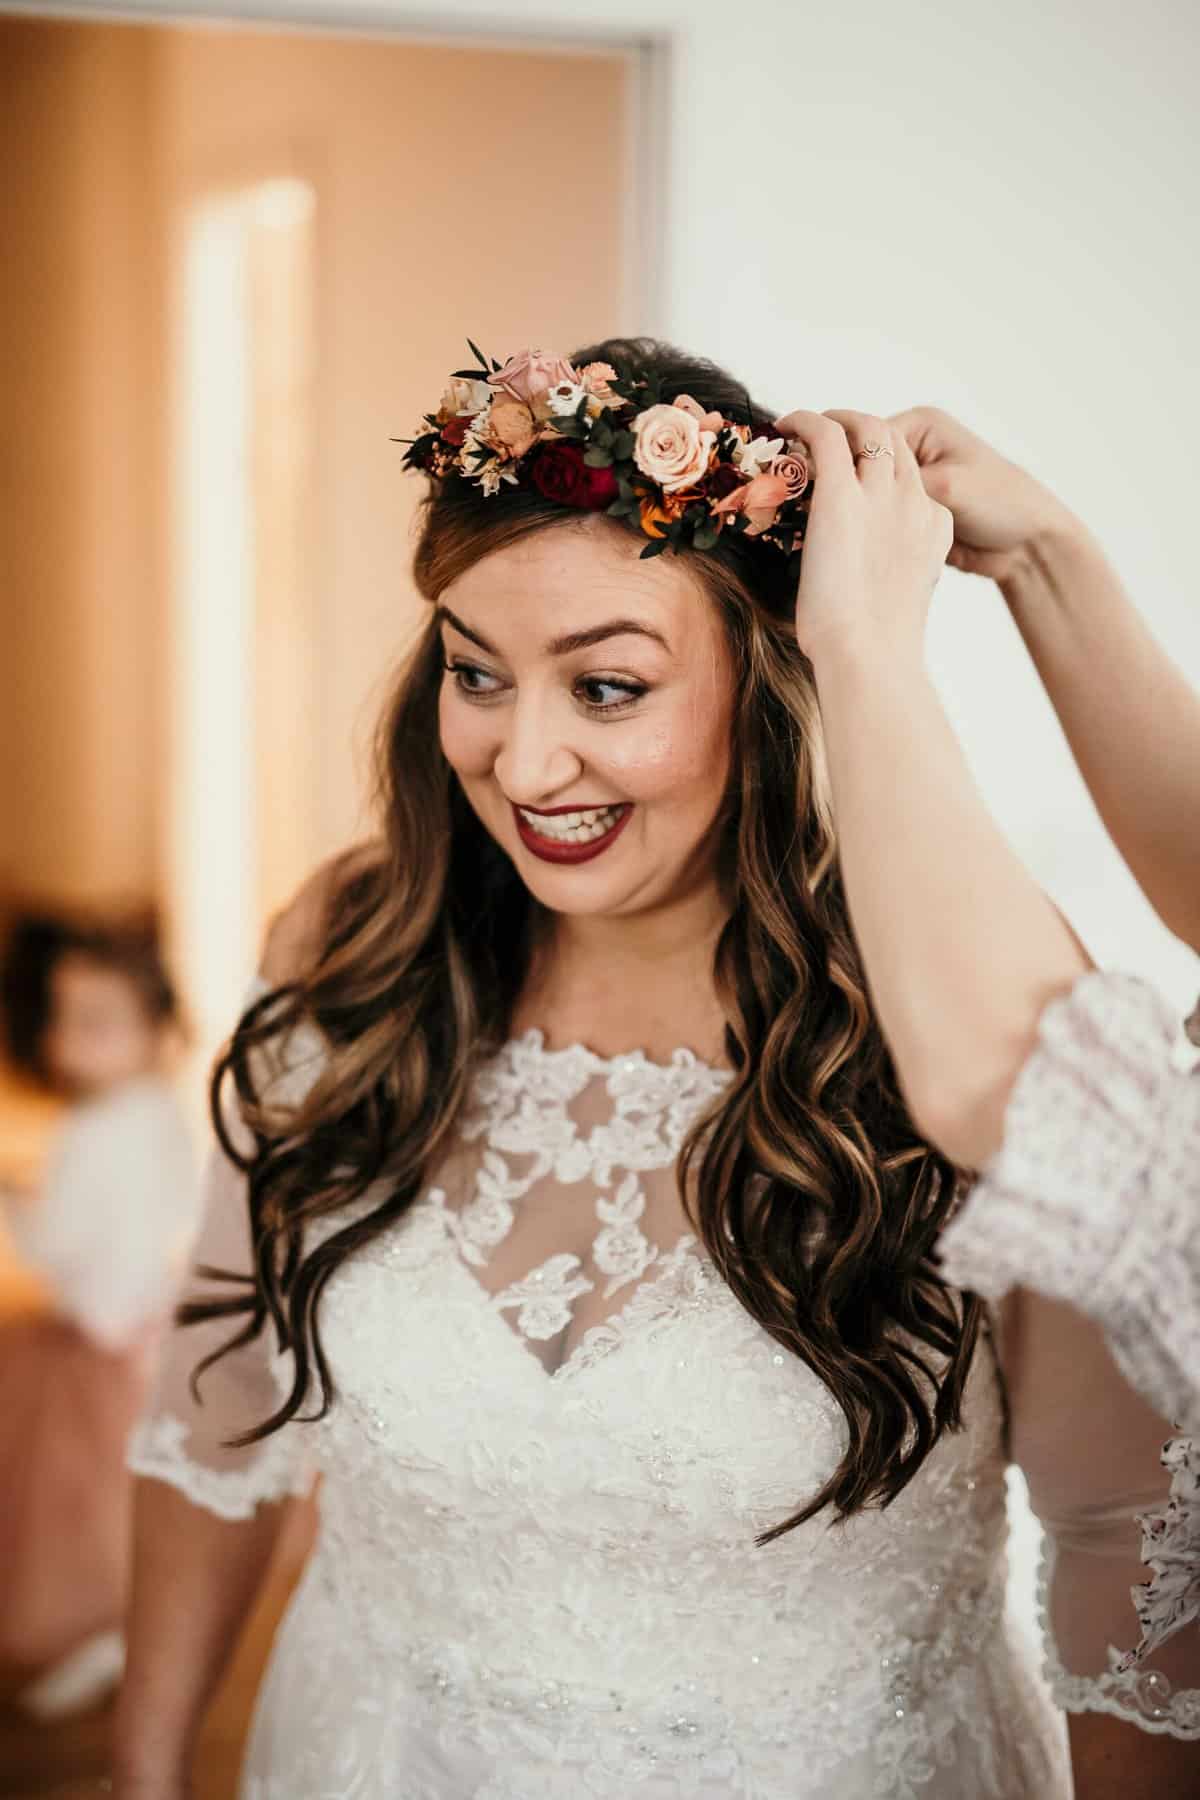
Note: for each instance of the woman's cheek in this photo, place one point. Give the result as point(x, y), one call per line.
point(670, 760)
point(463, 734)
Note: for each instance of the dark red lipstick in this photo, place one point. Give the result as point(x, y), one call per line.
point(551, 850)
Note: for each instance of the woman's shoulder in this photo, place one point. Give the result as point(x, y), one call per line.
point(296, 935)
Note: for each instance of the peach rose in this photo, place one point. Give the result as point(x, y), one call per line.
point(759, 499)
point(670, 446)
point(794, 470)
point(708, 421)
point(598, 378)
point(510, 426)
point(531, 373)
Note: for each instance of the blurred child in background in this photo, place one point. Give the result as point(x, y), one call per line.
point(108, 1224)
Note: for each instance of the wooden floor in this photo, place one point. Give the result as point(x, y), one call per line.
point(50, 1759)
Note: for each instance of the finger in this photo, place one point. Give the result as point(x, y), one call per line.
point(908, 469)
point(870, 440)
point(919, 426)
point(825, 443)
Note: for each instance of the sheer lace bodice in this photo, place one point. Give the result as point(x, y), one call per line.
point(556, 1437)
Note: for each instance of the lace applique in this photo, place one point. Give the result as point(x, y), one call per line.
point(1092, 1196)
point(1125, 1689)
point(622, 1250)
point(157, 1449)
point(486, 1220)
point(544, 1296)
point(520, 1108)
point(1171, 1550)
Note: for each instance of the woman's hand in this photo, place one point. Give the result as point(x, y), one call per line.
point(1000, 512)
point(876, 542)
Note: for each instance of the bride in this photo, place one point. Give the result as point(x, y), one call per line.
point(576, 1239)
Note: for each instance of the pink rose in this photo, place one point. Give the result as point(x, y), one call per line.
point(530, 373)
point(670, 446)
point(510, 426)
point(598, 378)
point(794, 470)
point(708, 421)
point(759, 499)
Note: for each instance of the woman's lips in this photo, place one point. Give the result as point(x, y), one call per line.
point(554, 851)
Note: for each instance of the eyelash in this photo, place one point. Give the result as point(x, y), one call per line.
point(632, 690)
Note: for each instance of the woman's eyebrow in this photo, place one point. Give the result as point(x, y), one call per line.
point(573, 640)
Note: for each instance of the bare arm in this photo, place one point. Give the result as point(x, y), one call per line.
point(961, 948)
point(1130, 715)
point(196, 1573)
point(195, 1580)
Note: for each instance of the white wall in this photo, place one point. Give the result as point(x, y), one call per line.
point(987, 208)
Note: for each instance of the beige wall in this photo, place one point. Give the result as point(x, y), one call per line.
point(78, 601)
point(458, 191)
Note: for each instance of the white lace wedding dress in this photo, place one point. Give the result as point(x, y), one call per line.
point(555, 1438)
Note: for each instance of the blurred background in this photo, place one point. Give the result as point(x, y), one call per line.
point(241, 254)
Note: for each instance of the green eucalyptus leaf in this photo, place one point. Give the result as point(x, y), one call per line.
point(596, 457)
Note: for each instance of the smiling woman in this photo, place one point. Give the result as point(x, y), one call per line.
point(577, 1231)
point(619, 728)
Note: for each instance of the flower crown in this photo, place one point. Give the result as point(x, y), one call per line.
point(597, 442)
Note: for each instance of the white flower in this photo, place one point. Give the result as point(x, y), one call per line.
point(563, 399)
point(464, 397)
point(752, 458)
point(492, 474)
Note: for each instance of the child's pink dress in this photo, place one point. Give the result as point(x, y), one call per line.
point(110, 1231)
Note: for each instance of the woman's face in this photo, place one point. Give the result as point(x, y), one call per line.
point(586, 711)
point(99, 1032)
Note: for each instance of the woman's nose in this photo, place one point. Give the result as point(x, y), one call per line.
point(534, 762)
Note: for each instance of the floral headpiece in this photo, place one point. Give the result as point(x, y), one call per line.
point(595, 442)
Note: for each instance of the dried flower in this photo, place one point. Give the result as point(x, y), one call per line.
point(528, 375)
point(670, 447)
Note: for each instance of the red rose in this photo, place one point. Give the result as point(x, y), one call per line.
point(559, 472)
point(454, 431)
point(722, 480)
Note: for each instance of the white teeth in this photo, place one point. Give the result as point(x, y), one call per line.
point(572, 827)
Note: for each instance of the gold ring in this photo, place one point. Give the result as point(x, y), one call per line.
point(873, 450)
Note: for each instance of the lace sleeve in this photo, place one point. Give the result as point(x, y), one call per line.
point(1092, 1452)
point(182, 1440)
point(1094, 1197)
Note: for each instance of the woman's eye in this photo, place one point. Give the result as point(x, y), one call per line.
point(603, 695)
point(470, 679)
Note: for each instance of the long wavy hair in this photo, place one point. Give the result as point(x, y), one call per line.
point(811, 1190)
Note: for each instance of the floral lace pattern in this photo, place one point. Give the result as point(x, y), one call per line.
point(543, 1579)
point(1095, 1194)
point(1171, 1550)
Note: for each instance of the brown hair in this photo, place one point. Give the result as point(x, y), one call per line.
point(125, 942)
point(813, 1193)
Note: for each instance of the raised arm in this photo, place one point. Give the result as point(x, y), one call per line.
point(1131, 717)
point(962, 950)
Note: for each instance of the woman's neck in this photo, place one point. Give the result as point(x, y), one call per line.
point(642, 981)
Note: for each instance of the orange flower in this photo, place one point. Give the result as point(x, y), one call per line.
point(673, 504)
point(652, 517)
